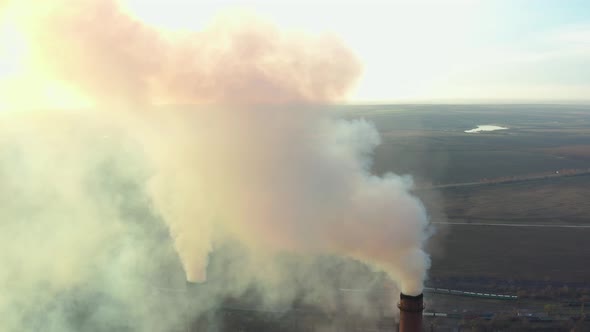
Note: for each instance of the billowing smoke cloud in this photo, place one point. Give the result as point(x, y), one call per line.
point(259, 164)
point(236, 60)
point(283, 179)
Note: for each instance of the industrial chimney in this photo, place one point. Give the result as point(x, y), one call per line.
point(410, 313)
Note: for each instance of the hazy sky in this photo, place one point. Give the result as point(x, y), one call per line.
point(430, 50)
point(413, 50)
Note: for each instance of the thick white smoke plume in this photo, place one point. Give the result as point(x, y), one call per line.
point(254, 164)
point(284, 179)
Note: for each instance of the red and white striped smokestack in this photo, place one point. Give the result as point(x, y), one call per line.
point(410, 313)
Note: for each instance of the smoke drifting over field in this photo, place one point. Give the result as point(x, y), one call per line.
point(255, 166)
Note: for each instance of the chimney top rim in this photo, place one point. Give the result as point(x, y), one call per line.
point(411, 297)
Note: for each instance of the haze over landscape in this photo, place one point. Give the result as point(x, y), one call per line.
point(293, 166)
point(419, 51)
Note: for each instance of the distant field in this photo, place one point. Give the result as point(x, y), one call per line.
point(510, 252)
point(514, 253)
point(429, 142)
point(560, 200)
point(571, 152)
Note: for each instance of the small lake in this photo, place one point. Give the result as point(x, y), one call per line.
point(481, 128)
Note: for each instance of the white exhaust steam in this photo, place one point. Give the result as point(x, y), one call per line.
point(255, 162)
